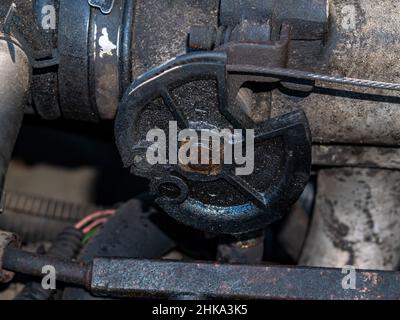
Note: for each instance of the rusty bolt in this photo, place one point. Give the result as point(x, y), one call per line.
point(195, 164)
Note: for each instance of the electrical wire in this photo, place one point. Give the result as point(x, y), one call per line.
point(94, 216)
point(90, 223)
point(94, 225)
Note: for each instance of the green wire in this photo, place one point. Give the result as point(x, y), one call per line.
point(88, 236)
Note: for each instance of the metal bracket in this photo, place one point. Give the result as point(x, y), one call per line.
point(105, 6)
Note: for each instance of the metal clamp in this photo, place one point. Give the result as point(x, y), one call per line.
point(8, 20)
point(6, 238)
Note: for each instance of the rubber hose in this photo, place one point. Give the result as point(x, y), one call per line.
point(36, 218)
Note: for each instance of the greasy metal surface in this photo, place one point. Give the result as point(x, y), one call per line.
point(308, 18)
point(356, 220)
point(15, 77)
point(362, 43)
point(249, 96)
point(130, 278)
point(366, 49)
point(356, 156)
point(364, 39)
point(258, 33)
point(308, 26)
point(161, 27)
point(346, 120)
point(6, 238)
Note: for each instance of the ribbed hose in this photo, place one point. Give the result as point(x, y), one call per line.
point(67, 246)
point(36, 218)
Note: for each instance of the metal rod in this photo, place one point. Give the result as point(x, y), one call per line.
point(32, 264)
point(304, 75)
point(129, 277)
point(117, 277)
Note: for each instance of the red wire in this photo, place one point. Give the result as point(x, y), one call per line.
point(94, 224)
point(93, 216)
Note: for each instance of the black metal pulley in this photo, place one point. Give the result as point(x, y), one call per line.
point(192, 93)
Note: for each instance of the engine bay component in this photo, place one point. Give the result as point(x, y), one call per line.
point(197, 92)
point(240, 203)
point(239, 282)
point(132, 232)
point(36, 218)
point(355, 224)
point(14, 91)
point(144, 278)
point(94, 58)
point(81, 57)
point(267, 131)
